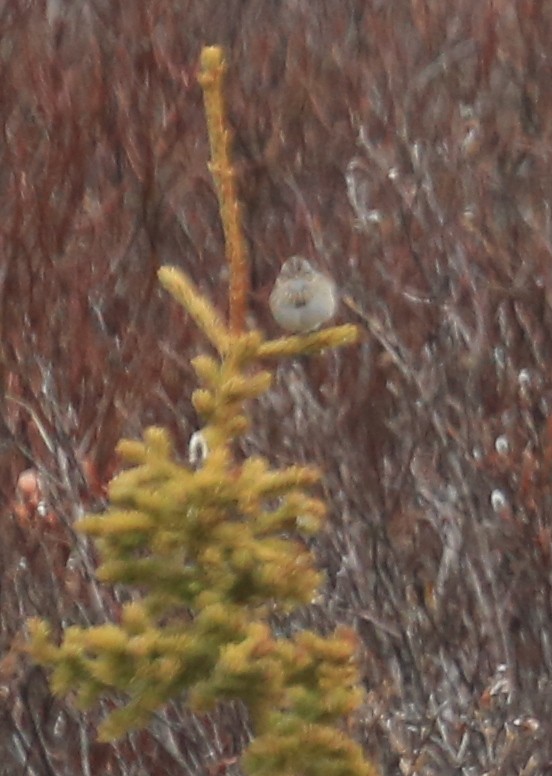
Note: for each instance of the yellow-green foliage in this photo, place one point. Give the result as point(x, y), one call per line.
point(211, 552)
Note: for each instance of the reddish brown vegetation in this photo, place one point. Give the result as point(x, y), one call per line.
point(406, 147)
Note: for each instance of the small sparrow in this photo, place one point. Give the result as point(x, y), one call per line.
point(302, 298)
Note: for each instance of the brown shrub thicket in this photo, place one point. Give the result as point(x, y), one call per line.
point(405, 147)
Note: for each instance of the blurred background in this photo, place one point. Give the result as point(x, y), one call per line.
point(403, 147)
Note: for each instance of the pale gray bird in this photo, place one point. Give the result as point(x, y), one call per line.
point(302, 298)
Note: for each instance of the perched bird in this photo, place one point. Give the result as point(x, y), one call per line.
point(302, 298)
